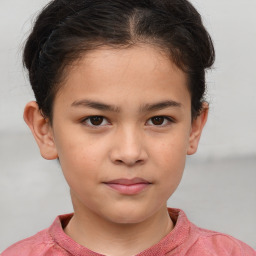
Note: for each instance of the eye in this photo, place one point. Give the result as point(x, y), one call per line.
point(159, 121)
point(95, 121)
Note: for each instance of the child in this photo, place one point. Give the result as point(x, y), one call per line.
point(119, 89)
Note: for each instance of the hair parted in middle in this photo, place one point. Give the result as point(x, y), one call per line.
point(65, 30)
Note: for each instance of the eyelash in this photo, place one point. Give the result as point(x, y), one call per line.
point(89, 119)
point(167, 121)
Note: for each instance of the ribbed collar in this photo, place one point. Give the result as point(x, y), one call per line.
point(169, 243)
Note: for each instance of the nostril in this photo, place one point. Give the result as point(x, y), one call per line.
point(129, 163)
point(119, 161)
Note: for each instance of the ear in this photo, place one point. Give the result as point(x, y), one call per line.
point(41, 129)
point(197, 128)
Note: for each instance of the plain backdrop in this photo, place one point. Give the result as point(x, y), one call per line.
point(218, 190)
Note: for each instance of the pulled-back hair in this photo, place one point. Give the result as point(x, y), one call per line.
point(65, 30)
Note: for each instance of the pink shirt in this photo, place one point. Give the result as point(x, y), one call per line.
point(185, 239)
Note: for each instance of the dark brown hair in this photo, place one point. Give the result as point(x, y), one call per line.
point(66, 29)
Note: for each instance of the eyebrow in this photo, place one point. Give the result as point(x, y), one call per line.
point(160, 105)
point(112, 108)
point(95, 105)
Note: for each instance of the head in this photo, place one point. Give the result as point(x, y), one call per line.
point(119, 89)
point(66, 30)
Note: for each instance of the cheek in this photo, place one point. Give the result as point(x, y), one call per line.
point(170, 157)
point(172, 164)
point(79, 157)
point(172, 152)
point(174, 155)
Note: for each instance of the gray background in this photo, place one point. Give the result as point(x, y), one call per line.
point(218, 189)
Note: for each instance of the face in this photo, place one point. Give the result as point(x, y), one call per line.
point(122, 128)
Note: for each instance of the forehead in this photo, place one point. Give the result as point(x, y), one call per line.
point(126, 74)
point(139, 59)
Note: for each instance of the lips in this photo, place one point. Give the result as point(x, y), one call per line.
point(128, 186)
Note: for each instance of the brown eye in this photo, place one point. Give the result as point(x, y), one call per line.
point(157, 120)
point(160, 121)
point(96, 120)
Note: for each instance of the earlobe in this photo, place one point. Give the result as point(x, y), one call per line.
point(41, 129)
point(197, 128)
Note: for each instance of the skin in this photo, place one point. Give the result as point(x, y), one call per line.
point(128, 143)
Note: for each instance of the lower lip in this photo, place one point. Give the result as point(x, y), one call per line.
point(132, 189)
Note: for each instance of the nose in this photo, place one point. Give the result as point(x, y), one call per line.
point(128, 148)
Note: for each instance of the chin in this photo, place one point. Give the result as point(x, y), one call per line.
point(125, 220)
point(128, 215)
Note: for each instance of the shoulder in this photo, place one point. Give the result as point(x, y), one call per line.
point(43, 243)
point(34, 245)
point(191, 240)
point(215, 243)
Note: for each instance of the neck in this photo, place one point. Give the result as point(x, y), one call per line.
point(108, 238)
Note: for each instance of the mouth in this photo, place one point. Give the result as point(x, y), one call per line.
point(128, 186)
